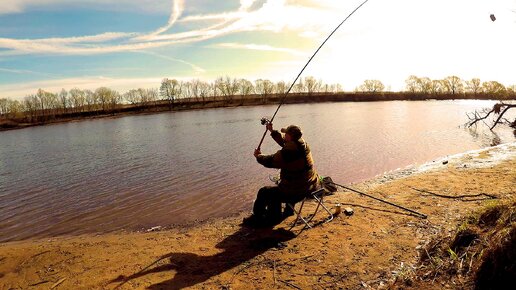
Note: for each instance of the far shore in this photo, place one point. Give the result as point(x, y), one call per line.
point(370, 248)
point(53, 116)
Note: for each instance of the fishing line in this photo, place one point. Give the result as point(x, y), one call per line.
point(265, 121)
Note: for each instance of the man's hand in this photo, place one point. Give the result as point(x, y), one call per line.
point(269, 126)
point(257, 152)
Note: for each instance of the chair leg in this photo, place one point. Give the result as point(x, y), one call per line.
point(330, 214)
point(320, 204)
point(298, 216)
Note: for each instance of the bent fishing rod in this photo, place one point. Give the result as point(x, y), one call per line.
point(418, 214)
point(265, 121)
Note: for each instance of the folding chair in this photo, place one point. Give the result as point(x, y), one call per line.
point(327, 188)
point(318, 196)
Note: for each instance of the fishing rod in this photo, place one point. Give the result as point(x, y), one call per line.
point(423, 216)
point(265, 121)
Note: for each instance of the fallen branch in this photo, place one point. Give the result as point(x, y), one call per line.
point(274, 272)
point(39, 283)
point(58, 283)
point(498, 109)
point(454, 196)
point(290, 284)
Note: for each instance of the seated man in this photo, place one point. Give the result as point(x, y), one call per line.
point(297, 177)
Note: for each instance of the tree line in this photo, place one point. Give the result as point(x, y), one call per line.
point(174, 94)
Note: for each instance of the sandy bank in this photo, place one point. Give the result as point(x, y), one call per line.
point(367, 249)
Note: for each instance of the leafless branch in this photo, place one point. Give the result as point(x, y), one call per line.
point(498, 109)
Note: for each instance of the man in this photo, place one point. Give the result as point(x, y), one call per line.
point(297, 177)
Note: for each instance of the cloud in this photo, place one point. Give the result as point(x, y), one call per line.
point(20, 71)
point(152, 6)
point(197, 69)
point(261, 47)
point(271, 16)
point(177, 9)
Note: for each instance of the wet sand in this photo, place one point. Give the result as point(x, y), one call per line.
point(367, 249)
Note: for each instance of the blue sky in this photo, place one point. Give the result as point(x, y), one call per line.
point(124, 44)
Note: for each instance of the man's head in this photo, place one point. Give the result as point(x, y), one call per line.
point(293, 131)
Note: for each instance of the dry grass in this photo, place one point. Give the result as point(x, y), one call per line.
point(479, 255)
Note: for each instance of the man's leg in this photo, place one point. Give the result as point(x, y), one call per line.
point(290, 202)
point(260, 204)
point(267, 204)
point(288, 211)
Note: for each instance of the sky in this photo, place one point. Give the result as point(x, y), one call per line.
point(126, 44)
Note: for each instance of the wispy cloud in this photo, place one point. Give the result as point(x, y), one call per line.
point(21, 71)
point(261, 47)
point(18, 6)
point(196, 68)
point(272, 16)
point(177, 10)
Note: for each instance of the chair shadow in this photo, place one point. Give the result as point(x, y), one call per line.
point(191, 269)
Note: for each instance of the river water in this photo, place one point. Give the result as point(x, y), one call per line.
point(136, 172)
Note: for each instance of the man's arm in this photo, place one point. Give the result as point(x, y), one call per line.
point(276, 135)
point(269, 161)
point(278, 138)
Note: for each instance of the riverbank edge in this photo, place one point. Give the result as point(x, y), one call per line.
point(18, 255)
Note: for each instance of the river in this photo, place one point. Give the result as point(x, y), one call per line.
point(139, 171)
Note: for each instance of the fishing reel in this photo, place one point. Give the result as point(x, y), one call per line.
point(265, 121)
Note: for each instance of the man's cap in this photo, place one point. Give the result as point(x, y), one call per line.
point(294, 131)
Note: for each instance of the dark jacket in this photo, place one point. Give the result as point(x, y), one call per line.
point(297, 175)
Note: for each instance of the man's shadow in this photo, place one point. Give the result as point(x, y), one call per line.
point(191, 269)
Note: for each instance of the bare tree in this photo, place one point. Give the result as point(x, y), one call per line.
point(312, 85)
point(132, 96)
point(31, 104)
point(204, 90)
point(227, 87)
point(14, 107)
point(437, 87)
point(494, 88)
point(245, 87)
point(281, 87)
point(371, 86)
point(474, 86)
point(103, 95)
point(264, 88)
point(64, 101)
point(453, 85)
point(77, 99)
point(411, 84)
point(498, 111)
point(186, 90)
point(4, 107)
point(511, 91)
point(114, 100)
point(148, 96)
point(169, 90)
point(91, 100)
point(299, 87)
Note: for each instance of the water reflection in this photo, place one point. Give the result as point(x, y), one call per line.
point(486, 137)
